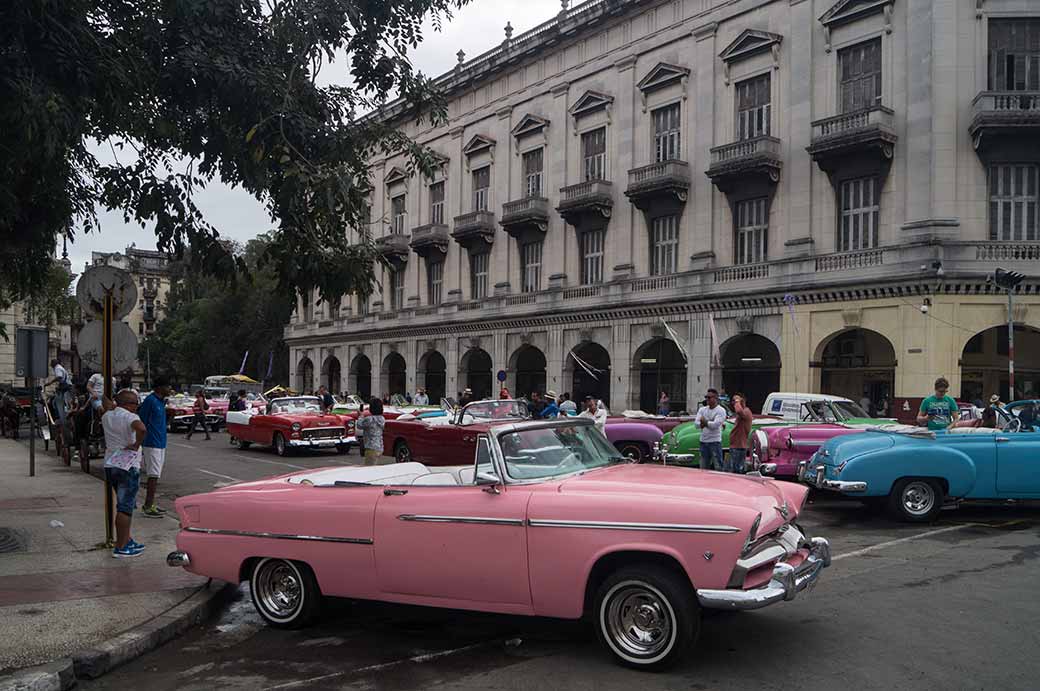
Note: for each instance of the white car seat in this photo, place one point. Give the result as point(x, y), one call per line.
point(436, 480)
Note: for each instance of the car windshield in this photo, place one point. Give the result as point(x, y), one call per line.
point(848, 409)
point(494, 410)
point(292, 406)
point(547, 452)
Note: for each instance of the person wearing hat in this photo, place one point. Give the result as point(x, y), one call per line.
point(551, 409)
point(989, 413)
point(467, 397)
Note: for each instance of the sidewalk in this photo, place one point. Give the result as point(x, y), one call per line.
point(60, 594)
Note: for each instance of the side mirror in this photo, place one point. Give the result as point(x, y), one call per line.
point(489, 481)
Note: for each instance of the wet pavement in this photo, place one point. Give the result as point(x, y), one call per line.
point(951, 605)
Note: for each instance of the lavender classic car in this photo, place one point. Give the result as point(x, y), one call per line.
point(544, 519)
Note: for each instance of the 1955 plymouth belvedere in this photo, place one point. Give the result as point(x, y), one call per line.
point(291, 423)
point(547, 520)
point(917, 471)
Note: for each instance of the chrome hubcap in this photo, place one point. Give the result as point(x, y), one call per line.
point(918, 498)
point(278, 588)
point(638, 621)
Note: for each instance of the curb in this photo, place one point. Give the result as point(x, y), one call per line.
point(91, 663)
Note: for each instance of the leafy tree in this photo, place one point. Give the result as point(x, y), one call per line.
point(190, 90)
point(208, 325)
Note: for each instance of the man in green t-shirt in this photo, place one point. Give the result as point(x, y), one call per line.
point(939, 411)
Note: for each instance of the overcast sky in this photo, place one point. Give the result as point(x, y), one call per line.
point(475, 29)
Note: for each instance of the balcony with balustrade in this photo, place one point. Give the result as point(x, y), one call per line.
point(748, 161)
point(393, 248)
point(666, 182)
point(586, 202)
point(526, 217)
point(474, 229)
point(862, 138)
point(430, 239)
point(1005, 122)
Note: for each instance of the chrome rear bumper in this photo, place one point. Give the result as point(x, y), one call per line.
point(816, 479)
point(178, 558)
point(786, 583)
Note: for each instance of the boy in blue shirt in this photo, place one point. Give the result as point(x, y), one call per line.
point(153, 451)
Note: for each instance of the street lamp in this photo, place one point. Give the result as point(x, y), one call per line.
point(1008, 280)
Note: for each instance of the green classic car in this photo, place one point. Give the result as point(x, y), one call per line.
point(683, 443)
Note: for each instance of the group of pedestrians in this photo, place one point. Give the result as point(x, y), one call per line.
point(711, 418)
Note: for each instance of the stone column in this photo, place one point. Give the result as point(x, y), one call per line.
point(502, 251)
point(554, 252)
point(499, 358)
point(703, 194)
point(699, 372)
point(801, 178)
point(626, 231)
point(554, 355)
point(410, 350)
point(451, 367)
point(622, 390)
point(920, 114)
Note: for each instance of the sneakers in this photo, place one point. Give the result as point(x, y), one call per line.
point(153, 511)
point(134, 544)
point(131, 550)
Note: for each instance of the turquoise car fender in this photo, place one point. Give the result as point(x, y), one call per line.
point(881, 469)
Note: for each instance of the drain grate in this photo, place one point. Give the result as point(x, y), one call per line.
point(11, 540)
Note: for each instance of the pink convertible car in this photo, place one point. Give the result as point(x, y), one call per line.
point(546, 520)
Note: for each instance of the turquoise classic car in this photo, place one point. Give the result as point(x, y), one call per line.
point(916, 471)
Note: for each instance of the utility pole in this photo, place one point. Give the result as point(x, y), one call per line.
point(1009, 280)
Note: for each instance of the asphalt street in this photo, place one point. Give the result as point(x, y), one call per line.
point(951, 605)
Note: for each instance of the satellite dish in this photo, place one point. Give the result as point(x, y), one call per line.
point(95, 282)
point(124, 346)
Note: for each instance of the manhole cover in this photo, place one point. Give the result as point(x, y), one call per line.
point(11, 540)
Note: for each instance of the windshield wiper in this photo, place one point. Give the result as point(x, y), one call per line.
point(350, 483)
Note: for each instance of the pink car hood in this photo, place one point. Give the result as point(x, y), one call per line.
point(697, 486)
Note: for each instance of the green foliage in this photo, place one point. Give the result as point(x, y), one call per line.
point(208, 325)
point(227, 86)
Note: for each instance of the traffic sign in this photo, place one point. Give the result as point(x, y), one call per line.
point(124, 346)
point(501, 375)
point(30, 358)
point(95, 282)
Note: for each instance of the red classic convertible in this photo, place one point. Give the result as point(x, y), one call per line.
point(292, 423)
point(444, 439)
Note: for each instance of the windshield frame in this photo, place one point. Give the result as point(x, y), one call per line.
point(503, 468)
point(278, 401)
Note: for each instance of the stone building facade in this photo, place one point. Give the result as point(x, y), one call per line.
point(640, 196)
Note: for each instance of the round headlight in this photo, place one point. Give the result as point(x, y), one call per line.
point(296, 427)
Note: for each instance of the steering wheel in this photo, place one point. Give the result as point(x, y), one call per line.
point(1014, 425)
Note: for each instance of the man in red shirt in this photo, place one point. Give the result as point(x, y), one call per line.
point(738, 437)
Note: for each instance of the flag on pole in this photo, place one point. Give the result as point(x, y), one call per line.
point(270, 363)
point(242, 368)
point(714, 339)
point(675, 339)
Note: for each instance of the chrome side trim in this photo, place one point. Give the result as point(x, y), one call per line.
point(472, 520)
point(611, 525)
point(282, 536)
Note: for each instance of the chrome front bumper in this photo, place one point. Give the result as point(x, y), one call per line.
point(682, 458)
point(321, 443)
point(786, 583)
point(817, 479)
point(178, 559)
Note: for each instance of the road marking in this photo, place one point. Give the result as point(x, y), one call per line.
point(226, 477)
point(185, 446)
point(892, 543)
point(415, 659)
point(253, 459)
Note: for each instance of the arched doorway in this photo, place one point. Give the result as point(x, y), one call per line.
point(528, 362)
point(305, 375)
point(594, 381)
point(394, 375)
point(361, 375)
point(330, 374)
point(751, 364)
point(661, 367)
point(475, 371)
point(858, 363)
point(984, 364)
point(432, 373)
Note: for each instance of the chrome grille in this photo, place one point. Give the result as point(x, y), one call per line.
point(322, 433)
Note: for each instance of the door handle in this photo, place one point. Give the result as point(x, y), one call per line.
point(387, 492)
point(1003, 438)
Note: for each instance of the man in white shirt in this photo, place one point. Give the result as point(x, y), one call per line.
point(593, 411)
point(421, 398)
point(124, 434)
point(711, 418)
point(567, 406)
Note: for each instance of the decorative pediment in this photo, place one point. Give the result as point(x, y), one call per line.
point(751, 42)
point(528, 125)
point(590, 102)
point(850, 10)
point(396, 175)
point(662, 75)
point(852, 317)
point(745, 324)
point(477, 144)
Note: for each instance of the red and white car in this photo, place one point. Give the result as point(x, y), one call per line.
point(291, 423)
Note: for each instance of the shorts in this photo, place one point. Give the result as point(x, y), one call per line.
point(375, 457)
point(125, 483)
point(152, 461)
